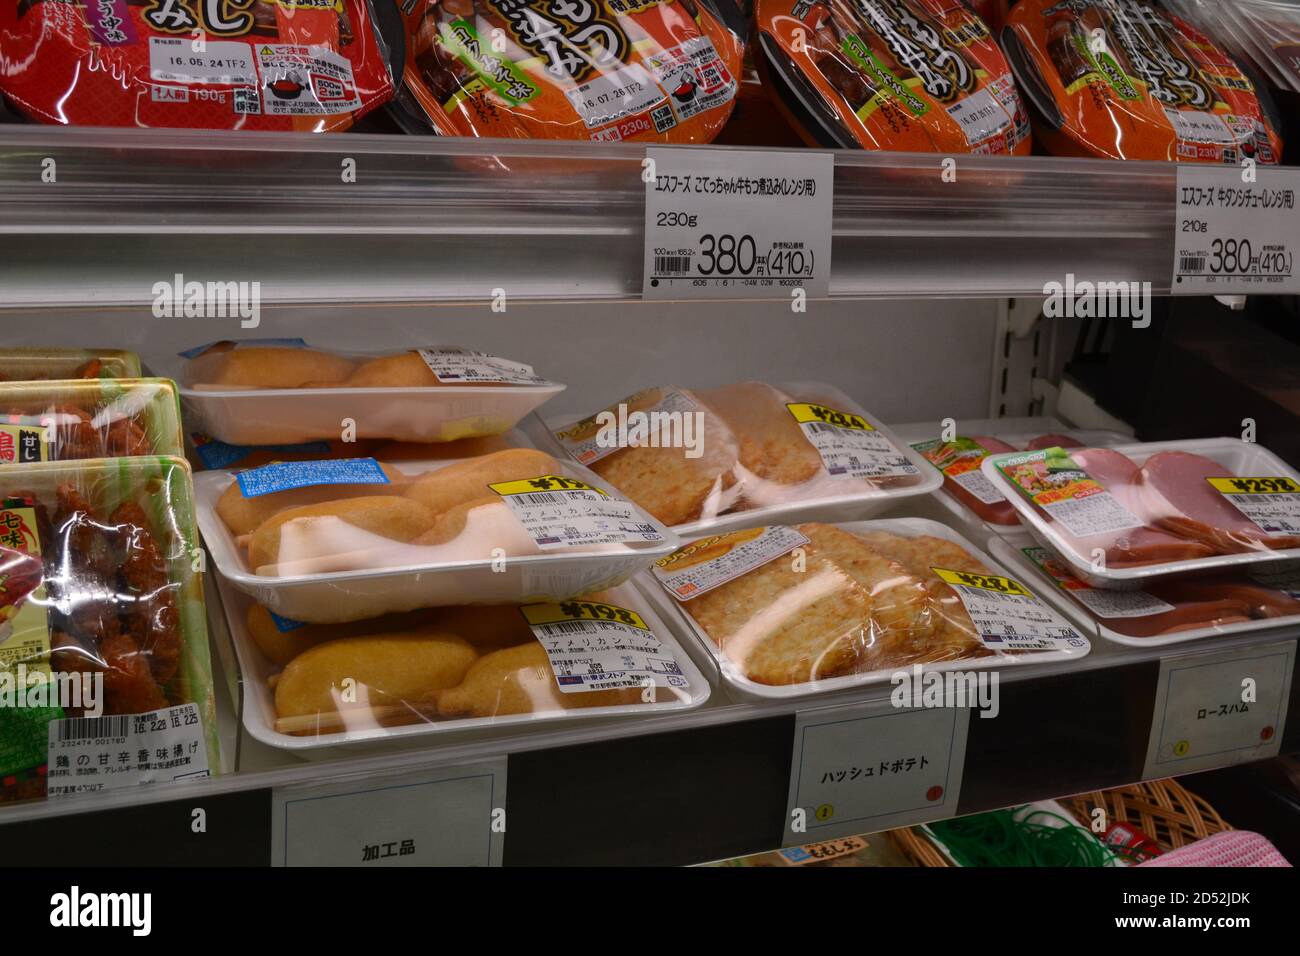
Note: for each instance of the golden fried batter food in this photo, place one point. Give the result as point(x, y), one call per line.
point(388, 516)
point(406, 370)
point(271, 367)
point(487, 626)
point(280, 647)
point(242, 515)
point(772, 445)
point(445, 488)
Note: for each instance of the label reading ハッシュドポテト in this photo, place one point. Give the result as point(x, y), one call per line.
point(465, 366)
point(87, 754)
point(849, 445)
point(1008, 617)
point(1057, 483)
point(1102, 603)
point(721, 224)
point(1233, 237)
point(1273, 504)
point(711, 562)
point(606, 432)
point(21, 444)
point(959, 460)
point(594, 646)
point(284, 475)
point(562, 512)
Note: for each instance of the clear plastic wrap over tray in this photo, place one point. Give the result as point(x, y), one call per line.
point(250, 394)
point(430, 673)
point(90, 418)
point(1173, 610)
point(31, 364)
point(1158, 508)
point(745, 454)
point(855, 604)
point(426, 534)
point(97, 560)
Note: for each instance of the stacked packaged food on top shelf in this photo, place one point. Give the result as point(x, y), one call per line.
point(1161, 542)
point(104, 663)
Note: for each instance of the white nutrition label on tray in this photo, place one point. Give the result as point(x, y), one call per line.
point(560, 512)
point(1233, 237)
point(849, 445)
point(88, 754)
point(456, 366)
point(1103, 603)
point(737, 223)
point(1089, 514)
point(589, 440)
point(594, 646)
point(1008, 617)
point(978, 485)
point(711, 562)
point(1272, 503)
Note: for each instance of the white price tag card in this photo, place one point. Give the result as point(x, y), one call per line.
point(1233, 237)
point(1213, 710)
point(869, 767)
point(449, 816)
point(737, 223)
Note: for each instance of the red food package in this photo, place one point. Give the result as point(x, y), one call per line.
point(308, 65)
point(959, 460)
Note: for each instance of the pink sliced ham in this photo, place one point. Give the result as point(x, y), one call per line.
point(1179, 499)
point(1131, 546)
point(1053, 441)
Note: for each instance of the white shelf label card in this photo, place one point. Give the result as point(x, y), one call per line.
point(449, 816)
point(737, 223)
point(869, 767)
point(1233, 237)
point(1214, 710)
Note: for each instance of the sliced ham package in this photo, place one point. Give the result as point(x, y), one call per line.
point(306, 65)
point(1124, 515)
point(1164, 611)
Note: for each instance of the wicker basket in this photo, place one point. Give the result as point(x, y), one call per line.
point(1164, 810)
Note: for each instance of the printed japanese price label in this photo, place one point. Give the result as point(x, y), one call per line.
point(711, 562)
point(1233, 237)
point(88, 754)
point(1056, 483)
point(959, 460)
point(1217, 709)
point(745, 224)
point(560, 512)
point(445, 816)
point(1008, 617)
point(849, 445)
point(1272, 503)
point(455, 366)
point(1102, 603)
point(594, 646)
point(871, 766)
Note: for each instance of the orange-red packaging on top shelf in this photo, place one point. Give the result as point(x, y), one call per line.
point(267, 64)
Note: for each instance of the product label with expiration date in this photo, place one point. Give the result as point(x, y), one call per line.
point(465, 366)
point(88, 754)
point(1055, 482)
point(1008, 617)
point(849, 445)
point(1273, 504)
point(959, 460)
point(591, 439)
point(711, 562)
point(594, 646)
point(284, 475)
point(562, 512)
point(1102, 603)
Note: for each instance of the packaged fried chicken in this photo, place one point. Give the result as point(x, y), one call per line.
point(454, 668)
point(105, 680)
point(1128, 79)
point(88, 418)
point(342, 540)
point(258, 64)
point(32, 364)
point(283, 392)
point(796, 609)
point(1123, 515)
point(911, 75)
point(1164, 611)
point(660, 71)
point(744, 454)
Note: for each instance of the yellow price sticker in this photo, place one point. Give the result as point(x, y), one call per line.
point(808, 412)
point(539, 614)
point(985, 582)
point(528, 486)
point(1254, 486)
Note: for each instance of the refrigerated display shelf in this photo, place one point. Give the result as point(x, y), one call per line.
point(439, 220)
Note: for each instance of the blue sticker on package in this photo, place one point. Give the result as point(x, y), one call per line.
point(284, 475)
point(284, 624)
